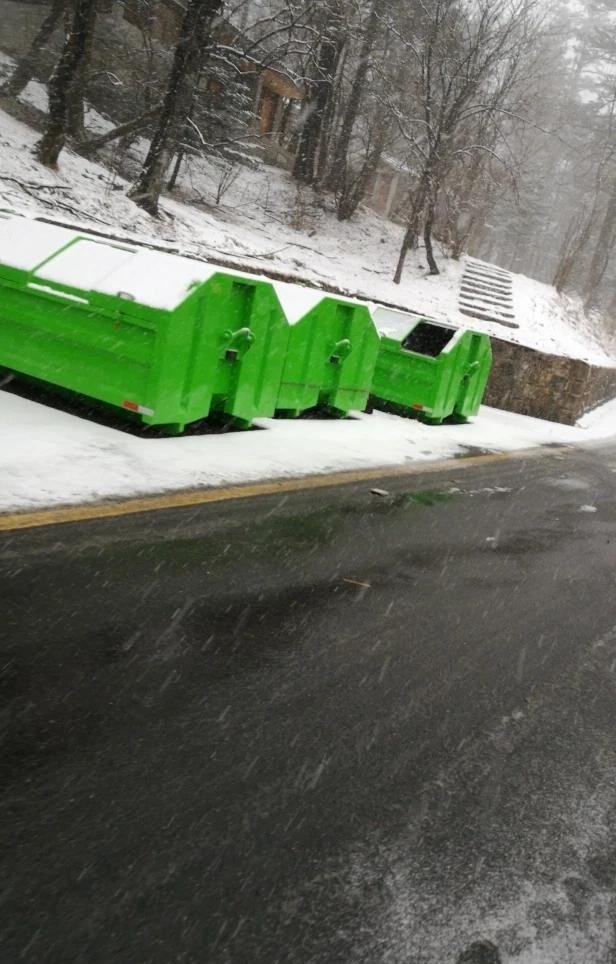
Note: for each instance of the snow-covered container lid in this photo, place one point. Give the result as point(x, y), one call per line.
point(158, 280)
point(391, 322)
point(77, 260)
point(83, 264)
point(297, 300)
point(24, 244)
point(400, 325)
point(396, 323)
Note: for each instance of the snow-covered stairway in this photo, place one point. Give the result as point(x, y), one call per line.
point(486, 293)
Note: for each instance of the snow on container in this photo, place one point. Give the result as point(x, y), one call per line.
point(428, 369)
point(331, 355)
point(162, 336)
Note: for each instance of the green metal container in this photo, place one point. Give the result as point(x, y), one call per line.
point(428, 369)
point(164, 337)
point(332, 351)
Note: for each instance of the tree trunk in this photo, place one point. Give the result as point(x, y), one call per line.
point(414, 223)
point(129, 128)
point(337, 169)
point(316, 108)
point(351, 195)
point(76, 108)
point(574, 244)
point(429, 220)
point(65, 75)
point(603, 249)
point(463, 204)
point(409, 241)
point(330, 120)
point(194, 34)
point(24, 71)
point(461, 238)
point(176, 171)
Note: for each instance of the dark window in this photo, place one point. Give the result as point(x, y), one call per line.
point(427, 339)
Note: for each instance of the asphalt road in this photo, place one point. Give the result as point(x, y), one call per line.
point(331, 727)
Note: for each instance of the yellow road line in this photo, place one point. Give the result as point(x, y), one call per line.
point(193, 497)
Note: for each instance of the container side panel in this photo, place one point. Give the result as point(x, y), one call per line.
point(75, 348)
point(473, 385)
point(352, 358)
point(232, 393)
point(302, 376)
point(256, 365)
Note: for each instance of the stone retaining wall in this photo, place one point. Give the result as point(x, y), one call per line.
point(530, 382)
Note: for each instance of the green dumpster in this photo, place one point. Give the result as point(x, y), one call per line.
point(428, 369)
point(332, 351)
point(164, 337)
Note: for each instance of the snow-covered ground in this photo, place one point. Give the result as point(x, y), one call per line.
point(49, 457)
point(265, 222)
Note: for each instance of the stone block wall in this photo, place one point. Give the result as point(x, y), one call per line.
point(546, 386)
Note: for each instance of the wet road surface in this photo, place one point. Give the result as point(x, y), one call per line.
point(332, 726)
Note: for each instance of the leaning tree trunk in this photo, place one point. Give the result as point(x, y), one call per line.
point(76, 108)
point(428, 222)
point(573, 245)
point(317, 108)
point(602, 251)
point(194, 34)
point(65, 75)
point(175, 173)
point(351, 195)
point(411, 235)
point(24, 71)
point(127, 130)
point(337, 170)
point(330, 118)
point(463, 204)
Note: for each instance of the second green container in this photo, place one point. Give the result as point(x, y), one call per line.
point(331, 354)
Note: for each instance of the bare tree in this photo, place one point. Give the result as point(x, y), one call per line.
point(464, 46)
point(559, 228)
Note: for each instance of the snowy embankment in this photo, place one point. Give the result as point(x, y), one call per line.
point(48, 457)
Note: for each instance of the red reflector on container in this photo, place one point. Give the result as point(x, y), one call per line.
point(417, 406)
point(131, 406)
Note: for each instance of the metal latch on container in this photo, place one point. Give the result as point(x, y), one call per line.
point(342, 350)
point(471, 368)
point(237, 342)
